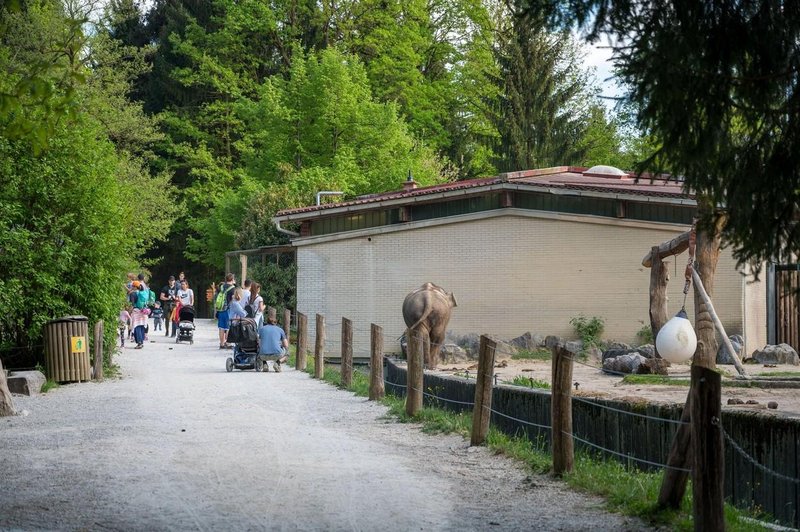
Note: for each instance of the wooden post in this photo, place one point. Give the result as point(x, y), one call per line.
point(287, 322)
point(708, 471)
point(98, 351)
point(376, 388)
point(319, 348)
point(347, 353)
point(415, 378)
point(673, 485)
point(561, 411)
point(243, 262)
point(302, 342)
point(6, 400)
point(482, 411)
point(659, 277)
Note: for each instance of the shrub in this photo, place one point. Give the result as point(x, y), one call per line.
point(589, 329)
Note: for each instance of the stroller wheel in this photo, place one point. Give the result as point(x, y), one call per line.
point(191, 342)
point(259, 365)
point(178, 340)
point(229, 365)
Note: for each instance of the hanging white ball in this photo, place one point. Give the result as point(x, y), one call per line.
point(676, 341)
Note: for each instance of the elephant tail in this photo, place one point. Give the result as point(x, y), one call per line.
point(422, 318)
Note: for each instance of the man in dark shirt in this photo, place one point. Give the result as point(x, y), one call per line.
point(168, 297)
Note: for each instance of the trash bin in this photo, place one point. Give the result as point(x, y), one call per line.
point(66, 349)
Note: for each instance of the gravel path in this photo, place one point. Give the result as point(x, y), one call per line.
point(179, 444)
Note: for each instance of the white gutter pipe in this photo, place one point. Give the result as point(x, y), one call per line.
point(284, 231)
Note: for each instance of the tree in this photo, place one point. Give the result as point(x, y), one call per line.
point(717, 82)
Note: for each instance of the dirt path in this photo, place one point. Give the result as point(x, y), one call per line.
point(180, 444)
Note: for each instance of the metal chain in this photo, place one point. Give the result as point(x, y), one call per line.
point(752, 460)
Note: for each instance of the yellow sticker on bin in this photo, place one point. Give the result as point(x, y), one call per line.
point(78, 344)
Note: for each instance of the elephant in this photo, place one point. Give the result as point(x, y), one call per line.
point(426, 311)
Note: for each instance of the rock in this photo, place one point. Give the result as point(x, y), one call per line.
point(628, 363)
point(723, 357)
point(453, 354)
point(538, 340)
point(654, 366)
point(647, 350)
point(773, 405)
point(523, 342)
point(777, 354)
point(735, 401)
point(615, 352)
point(575, 347)
point(595, 354)
point(552, 341)
point(468, 342)
point(620, 346)
point(751, 402)
point(26, 382)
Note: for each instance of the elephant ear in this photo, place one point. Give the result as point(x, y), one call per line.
point(453, 300)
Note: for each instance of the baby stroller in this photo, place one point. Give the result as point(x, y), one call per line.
point(245, 351)
point(185, 325)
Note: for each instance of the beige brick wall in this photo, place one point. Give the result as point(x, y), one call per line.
point(511, 272)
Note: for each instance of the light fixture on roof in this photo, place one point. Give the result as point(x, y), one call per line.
point(602, 170)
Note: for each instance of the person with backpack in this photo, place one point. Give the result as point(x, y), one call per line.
point(168, 297)
point(221, 303)
point(255, 309)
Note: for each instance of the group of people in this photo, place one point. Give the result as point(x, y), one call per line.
point(237, 303)
point(142, 304)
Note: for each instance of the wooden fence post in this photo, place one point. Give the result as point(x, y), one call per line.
point(673, 485)
point(659, 277)
point(561, 411)
point(482, 411)
point(708, 471)
point(319, 348)
point(302, 342)
point(287, 321)
point(415, 380)
point(347, 353)
point(98, 351)
point(376, 388)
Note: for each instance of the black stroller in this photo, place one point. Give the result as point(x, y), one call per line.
point(244, 334)
point(185, 325)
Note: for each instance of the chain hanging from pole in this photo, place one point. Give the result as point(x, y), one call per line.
point(690, 264)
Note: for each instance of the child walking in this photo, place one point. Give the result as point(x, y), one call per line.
point(158, 316)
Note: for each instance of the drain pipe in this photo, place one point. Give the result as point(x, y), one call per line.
point(283, 230)
point(327, 193)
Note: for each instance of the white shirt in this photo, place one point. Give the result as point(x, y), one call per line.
point(186, 296)
point(245, 298)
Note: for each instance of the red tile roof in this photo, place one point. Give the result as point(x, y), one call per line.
point(571, 178)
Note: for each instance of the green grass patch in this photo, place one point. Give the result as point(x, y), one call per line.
point(793, 374)
point(654, 379)
point(49, 385)
point(528, 382)
point(537, 354)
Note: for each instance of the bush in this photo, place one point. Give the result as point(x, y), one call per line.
point(589, 329)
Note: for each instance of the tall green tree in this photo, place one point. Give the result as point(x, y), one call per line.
point(717, 81)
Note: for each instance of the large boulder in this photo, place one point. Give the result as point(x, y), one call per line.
point(628, 363)
point(647, 350)
point(574, 346)
point(776, 354)
point(654, 366)
point(26, 382)
point(723, 357)
point(524, 342)
point(614, 352)
point(453, 354)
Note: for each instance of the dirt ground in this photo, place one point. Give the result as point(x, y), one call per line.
point(594, 383)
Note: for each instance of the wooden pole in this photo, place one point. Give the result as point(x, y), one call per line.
point(347, 353)
point(319, 348)
point(561, 411)
point(698, 284)
point(6, 400)
point(659, 277)
point(708, 471)
point(415, 380)
point(376, 387)
point(98, 351)
point(287, 321)
point(673, 485)
point(482, 411)
point(676, 246)
point(302, 342)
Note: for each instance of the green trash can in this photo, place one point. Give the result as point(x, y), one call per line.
point(66, 349)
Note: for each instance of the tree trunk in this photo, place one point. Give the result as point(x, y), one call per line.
point(707, 254)
point(659, 277)
point(6, 401)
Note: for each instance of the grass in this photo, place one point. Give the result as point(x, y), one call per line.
point(541, 353)
point(528, 382)
point(49, 385)
point(794, 374)
point(626, 490)
point(671, 381)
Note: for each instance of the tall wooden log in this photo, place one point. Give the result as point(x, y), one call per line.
point(98, 351)
point(708, 246)
point(302, 342)
point(6, 401)
point(482, 411)
point(561, 411)
point(415, 380)
point(347, 353)
point(319, 348)
point(659, 277)
point(287, 322)
point(708, 471)
point(376, 386)
point(673, 485)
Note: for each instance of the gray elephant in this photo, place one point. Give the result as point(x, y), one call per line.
point(426, 312)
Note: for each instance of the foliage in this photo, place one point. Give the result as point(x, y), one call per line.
point(717, 82)
point(48, 385)
point(529, 382)
point(277, 282)
point(645, 335)
point(589, 329)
